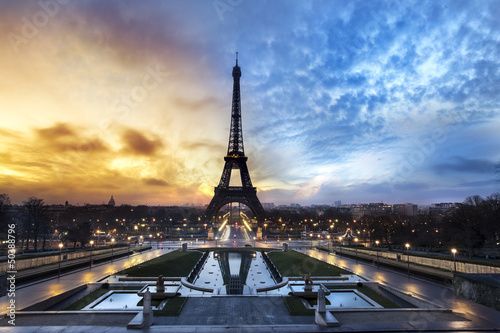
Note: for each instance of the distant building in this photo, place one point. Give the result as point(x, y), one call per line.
point(346, 208)
point(337, 204)
point(268, 205)
point(443, 208)
point(406, 209)
point(358, 211)
point(111, 202)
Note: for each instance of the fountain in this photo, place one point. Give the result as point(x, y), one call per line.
point(308, 290)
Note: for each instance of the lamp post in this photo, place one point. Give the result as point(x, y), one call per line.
point(112, 243)
point(408, 257)
point(180, 243)
point(128, 247)
point(60, 248)
point(254, 241)
point(356, 246)
point(340, 245)
point(91, 246)
point(378, 263)
point(328, 237)
point(454, 251)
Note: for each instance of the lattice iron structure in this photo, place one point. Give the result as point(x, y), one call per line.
point(235, 159)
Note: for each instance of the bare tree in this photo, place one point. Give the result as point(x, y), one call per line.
point(4, 214)
point(468, 220)
point(36, 219)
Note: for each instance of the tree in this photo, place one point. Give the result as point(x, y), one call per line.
point(467, 220)
point(78, 232)
point(36, 219)
point(4, 214)
point(492, 217)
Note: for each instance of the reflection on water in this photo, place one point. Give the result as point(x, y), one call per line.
point(348, 299)
point(120, 301)
point(234, 260)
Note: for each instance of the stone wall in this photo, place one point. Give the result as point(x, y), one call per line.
point(480, 288)
point(437, 263)
point(52, 259)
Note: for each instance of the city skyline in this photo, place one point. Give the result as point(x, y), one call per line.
point(351, 101)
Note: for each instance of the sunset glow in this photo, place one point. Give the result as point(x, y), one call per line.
point(133, 99)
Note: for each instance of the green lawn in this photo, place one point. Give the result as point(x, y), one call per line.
point(172, 308)
point(173, 264)
point(296, 307)
point(291, 263)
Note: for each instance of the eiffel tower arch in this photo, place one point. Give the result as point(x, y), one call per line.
point(235, 159)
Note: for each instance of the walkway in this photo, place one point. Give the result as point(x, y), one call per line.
point(229, 311)
point(480, 316)
point(31, 294)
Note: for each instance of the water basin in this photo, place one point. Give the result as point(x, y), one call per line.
point(118, 301)
point(340, 299)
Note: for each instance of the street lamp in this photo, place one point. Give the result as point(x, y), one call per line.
point(112, 243)
point(340, 245)
point(328, 237)
point(128, 247)
point(408, 257)
point(356, 246)
point(378, 263)
point(91, 246)
point(60, 248)
point(454, 251)
point(254, 241)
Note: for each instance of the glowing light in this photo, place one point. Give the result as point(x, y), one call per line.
point(223, 225)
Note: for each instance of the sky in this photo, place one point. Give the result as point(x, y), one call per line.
point(358, 101)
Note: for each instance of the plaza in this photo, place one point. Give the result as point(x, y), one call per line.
point(423, 305)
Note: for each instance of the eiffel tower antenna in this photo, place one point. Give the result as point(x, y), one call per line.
point(235, 159)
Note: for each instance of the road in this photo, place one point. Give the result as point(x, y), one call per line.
point(235, 236)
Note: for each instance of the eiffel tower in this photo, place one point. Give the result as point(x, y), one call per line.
point(235, 159)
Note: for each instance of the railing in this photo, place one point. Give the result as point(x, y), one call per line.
point(274, 271)
point(197, 268)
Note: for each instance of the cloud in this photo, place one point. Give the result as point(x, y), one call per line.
point(465, 165)
point(65, 138)
point(336, 97)
point(137, 143)
point(59, 130)
point(155, 182)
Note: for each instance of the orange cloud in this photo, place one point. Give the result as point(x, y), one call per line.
point(139, 144)
point(155, 182)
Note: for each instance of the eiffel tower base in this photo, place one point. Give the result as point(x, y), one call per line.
point(246, 196)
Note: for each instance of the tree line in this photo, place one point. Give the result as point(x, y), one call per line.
point(473, 224)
